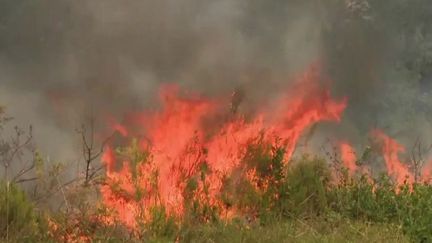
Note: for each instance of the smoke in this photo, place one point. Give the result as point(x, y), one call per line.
point(381, 65)
point(63, 61)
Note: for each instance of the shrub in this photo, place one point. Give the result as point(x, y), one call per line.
point(304, 192)
point(18, 219)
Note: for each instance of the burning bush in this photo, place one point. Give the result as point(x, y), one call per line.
point(179, 171)
point(180, 156)
point(195, 163)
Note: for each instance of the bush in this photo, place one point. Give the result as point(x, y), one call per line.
point(379, 202)
point(283, 201)
point(18, 219)
point(304, 192)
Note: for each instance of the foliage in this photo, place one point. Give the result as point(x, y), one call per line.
point(19, 221)
point(328, 229)
point(306, 187)
point(381, 203)
point(298, 200)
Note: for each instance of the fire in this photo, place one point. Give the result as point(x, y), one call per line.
point(390, 149)
point(177, 142)
point(426, 172)
point(348, 157)
point(189, 147)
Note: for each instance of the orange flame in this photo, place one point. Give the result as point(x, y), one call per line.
point(348, 157)
point(426, 172)
point(391, 149)
point(178, 144)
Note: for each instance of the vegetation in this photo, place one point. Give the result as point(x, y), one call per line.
point(303, 202)
point(307, 199)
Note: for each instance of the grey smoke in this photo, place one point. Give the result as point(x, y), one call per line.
point(61, 60)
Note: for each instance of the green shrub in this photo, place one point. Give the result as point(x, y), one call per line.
point(285, 200)
point(379, 202)
point(161, 228)
point(18, 219)
point(304, 192)
point(415, 212)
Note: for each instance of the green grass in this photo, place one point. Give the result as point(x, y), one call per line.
point(313, 230)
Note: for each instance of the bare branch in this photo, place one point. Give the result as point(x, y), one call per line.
point(90, 153)
point(26, 180)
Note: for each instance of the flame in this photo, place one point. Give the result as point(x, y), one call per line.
point(348, 157)
point(118, 127)
point(188, 148)
point(176, 143)
point(426, 172)
point(391, 149)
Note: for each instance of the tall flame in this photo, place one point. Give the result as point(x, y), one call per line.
point(391, 149)
point(177, 143)
point(348, 157)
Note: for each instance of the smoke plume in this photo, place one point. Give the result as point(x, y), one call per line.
point(63, 61)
